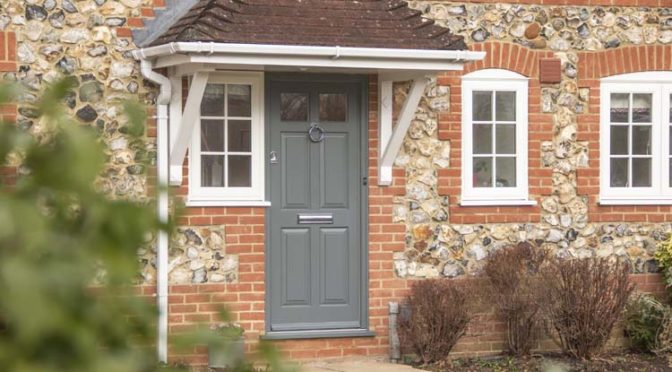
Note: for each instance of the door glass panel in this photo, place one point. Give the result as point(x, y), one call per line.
point(620, 107)
point(482, 106)
point(212, 135)
point(240, 170)
point(240, 135)
point(506, 172)
point(619, 140)
point(505, 106)
point(641, 172)
point(619, 172)
point(641, 140)
point(482, 172)
point(293, 107)
point(213, 100)
point(212, 170)
point(240, 100)
point(641, 108)
point(333, 107)
point(506, 138)
point(482, 139)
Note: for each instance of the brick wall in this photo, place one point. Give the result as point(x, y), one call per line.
point(592, 67)
point(7, 112)
point(524, 61)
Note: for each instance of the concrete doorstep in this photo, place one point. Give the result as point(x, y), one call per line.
point(354, 365)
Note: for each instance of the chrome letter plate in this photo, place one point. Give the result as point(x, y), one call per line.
point(314, 219)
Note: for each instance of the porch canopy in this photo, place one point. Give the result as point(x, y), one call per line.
point(383, 37)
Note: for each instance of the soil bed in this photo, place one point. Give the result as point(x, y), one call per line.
point(628, 362)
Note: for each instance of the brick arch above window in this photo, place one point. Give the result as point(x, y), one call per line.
point(508, 56)
point(629, 59)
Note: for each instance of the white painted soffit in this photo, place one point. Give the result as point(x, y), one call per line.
point(262, 56)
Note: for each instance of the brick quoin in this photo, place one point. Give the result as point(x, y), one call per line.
point(8, 112)
point(594, 66)
point(513, 57)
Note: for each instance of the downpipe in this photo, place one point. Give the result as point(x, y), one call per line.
point(162, 205)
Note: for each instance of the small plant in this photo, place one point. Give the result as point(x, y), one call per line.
point(663, 256)
point(513, 277)
point(583, 300)
point(643, 320)
point(436, 314)
point(230, 331)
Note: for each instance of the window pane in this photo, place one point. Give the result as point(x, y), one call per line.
point(619, 140)
point(293, 107)
point(641, 172)
point(670, 108)
point(482, 139)
point(620, 106)
point(505, 138)
point(482, 106)
point(506, 172)
point(213, 100)
point(240, 100)
point(619, 172)
point(670, 171)
point(240, 170)
point(641, 108)
point(482, 172)
point(212, 135)
point(212, 170)
point(641, 140)
point(333, 107)
point(240, 135)
point(506, 106)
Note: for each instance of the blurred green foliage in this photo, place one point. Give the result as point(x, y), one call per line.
point(57, 235)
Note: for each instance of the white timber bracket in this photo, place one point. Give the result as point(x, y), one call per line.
point(182, 123)
point(390, 135)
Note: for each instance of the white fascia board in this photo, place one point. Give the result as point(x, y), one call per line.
point(309, 56)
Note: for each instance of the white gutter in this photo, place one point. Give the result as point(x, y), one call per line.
point(334, 53)
point(162, 141)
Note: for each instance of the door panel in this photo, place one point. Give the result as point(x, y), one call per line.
point(335, 273)
point(334, 173)
point(295, 179)
point(314, 272)
point(296, 269)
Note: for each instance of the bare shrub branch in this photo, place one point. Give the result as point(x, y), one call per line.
point(513, 277)
point(583, 300)
point(436, 314)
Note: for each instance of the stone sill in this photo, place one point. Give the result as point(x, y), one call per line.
point(608, 201)
point(227, 203)
point(497, 203)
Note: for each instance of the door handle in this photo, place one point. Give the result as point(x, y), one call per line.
point(273, 157)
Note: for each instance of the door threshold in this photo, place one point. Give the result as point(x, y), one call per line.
point(320, 333)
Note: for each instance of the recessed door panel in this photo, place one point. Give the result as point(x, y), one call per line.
point(296, 266)
point(334, 170)
point(335, 271)
point(295, 163)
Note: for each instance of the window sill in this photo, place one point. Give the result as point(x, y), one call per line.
point(227, 203)
point(497, 203)
point(327, 333)
point(634, 201)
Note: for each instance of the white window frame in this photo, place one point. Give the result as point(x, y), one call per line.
point(232, 196)
point(659, 84)
point(495, 80)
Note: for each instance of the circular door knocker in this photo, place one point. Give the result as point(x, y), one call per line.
point(315, 133)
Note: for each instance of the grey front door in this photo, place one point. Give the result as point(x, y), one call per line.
point(315, 267)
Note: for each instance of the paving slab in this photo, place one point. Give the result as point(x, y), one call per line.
point(355, 365)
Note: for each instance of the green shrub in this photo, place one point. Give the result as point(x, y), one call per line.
point(663, 256)
point(643, 320)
